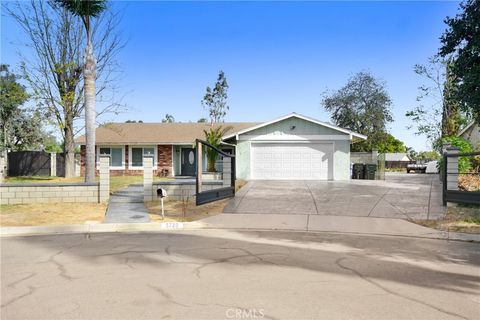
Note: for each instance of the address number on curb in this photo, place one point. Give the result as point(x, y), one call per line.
point(172, 225)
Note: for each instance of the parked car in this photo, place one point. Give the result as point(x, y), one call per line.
point(417, 167)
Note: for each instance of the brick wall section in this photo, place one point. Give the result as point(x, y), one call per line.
point(83, 152)
point(51, 193)
point(164, 161)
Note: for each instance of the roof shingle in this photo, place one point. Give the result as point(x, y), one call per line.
point(158, 133)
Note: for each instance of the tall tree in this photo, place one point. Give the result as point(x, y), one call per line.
point(362, 105)
point(168, 119)
point(461, 41)
point(54, 69)
point(21, 129)
point(451, 116)
point(438, 112)
point(87, 10)
point(215, 100)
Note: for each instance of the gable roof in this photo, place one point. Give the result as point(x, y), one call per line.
point(397, 157)
point(157, 133)
point(352, 134)
point(466, 128)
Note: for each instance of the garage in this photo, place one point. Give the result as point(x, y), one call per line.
point(293, 147)
point(295, 161)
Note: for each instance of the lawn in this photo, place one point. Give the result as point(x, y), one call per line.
point(50, 214)
point(460, 218)
point(116, 182)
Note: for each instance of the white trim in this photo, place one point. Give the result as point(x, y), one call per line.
point(155, 156)
point(137, 144)
point(330, 177)
point(291, 137)
point(291, 115)
point(173, 166)
point(466, 128)
point(97, 162)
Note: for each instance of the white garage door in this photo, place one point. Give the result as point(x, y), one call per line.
point(291, 161)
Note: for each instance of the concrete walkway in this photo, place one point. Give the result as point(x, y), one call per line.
point(126, 206)
point(405, 196)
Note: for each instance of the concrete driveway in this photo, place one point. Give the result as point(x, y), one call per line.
point(401, 195)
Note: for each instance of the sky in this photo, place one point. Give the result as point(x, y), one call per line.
point(278, 57)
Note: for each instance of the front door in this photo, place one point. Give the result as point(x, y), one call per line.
point(188, 162)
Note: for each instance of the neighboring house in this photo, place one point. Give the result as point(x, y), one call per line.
point(290, 147)
point(397, 160)
point(471, 133)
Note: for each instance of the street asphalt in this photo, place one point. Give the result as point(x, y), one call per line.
point(227, 274)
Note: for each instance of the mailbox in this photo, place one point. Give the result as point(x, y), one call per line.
point(161, 193)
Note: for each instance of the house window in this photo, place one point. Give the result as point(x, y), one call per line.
point(115, 155)
point(139, 153)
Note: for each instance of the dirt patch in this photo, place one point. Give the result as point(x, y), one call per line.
point(50, 214)
point(174, 209)
point(457, 219)
point(469, 182)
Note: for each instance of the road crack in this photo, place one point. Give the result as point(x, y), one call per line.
point(385, 289)
point(167, 296)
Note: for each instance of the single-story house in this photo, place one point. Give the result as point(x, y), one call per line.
point(471, 133)
point(397, 160)
point(290, 147)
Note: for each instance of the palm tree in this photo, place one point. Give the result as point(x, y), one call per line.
point(214, 137)
point(87, 9)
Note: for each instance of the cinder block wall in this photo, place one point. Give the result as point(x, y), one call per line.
point(174, 189)
point(363, 157)
point(49, 193)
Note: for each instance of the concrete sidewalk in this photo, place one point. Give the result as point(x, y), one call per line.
point(286, 222)
point(339, 224)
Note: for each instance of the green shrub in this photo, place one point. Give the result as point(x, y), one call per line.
point(465, 164)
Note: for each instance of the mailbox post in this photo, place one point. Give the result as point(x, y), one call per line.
point(162, 193)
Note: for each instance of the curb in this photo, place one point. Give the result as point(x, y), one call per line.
point(97, 228)
point(197, 225)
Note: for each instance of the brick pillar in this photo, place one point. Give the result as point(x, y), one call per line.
point(227, 171)
point(53, 164)
point(104, 178)
point(147, 178)
point(83, 155)
point(452, 169)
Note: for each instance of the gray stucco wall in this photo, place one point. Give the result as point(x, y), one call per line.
point(302, 127)
point(243, 160)
point(341, 160)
